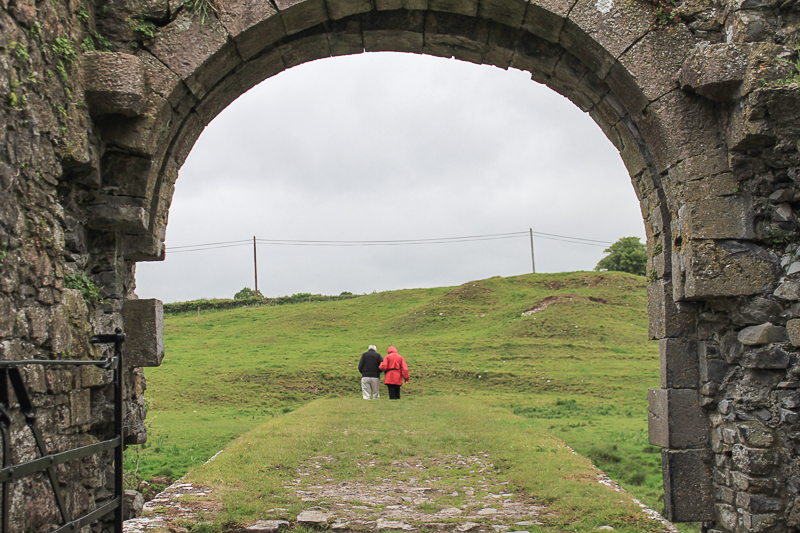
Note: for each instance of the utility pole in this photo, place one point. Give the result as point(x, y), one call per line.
point(255, 263)
point(533, 261)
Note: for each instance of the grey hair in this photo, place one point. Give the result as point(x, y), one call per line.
point(372, 347)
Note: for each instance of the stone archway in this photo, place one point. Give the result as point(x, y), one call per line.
point(710, 147)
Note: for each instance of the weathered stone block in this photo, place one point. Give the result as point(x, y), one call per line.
point(613, 26)
point(92, 376)
point(114, 83)
point(133, 503)
point(754, 484)
point(676, 419)
point(536, 55)
point(762, 334)
point(656, 59)
point(727, 516)
point(678, 126)
point(754, 461)
point(729, 217)
point(449, 35)
point(760, 523)
point(200, 53)
point(462, 7)
point(679, 365)
point(712, 186)
point(251, 74)
point(788, 290)
point(312, 517)
point(344, 37)
point(727, 268)
point(143, 248)
point(118, 217)
point(268, 526)
point(339, 9)
point(185, 138)
point(765, 358)
point(688, 490)
point(305, 49)
point(793, 331)
point(253, 24)
point(789, 417)
point(399, 31)
point(715, 71)
point(712, 370)
point(80, 412)
point(759, 310)
point(144, 330)
point(509, 13)
point(666, 318)
point(163, 81)
point(391, 5)
point(755, 434)
point(709, 163)
point(577, 42)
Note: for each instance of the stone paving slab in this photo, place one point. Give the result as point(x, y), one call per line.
point(381, 504)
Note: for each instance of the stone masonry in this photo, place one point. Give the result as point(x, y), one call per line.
point(102, 101)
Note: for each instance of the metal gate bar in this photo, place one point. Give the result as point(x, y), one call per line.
point(9, 372)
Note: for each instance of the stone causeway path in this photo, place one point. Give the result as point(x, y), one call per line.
point(381, 504)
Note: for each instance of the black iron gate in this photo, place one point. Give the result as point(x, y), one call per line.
point(10, 373)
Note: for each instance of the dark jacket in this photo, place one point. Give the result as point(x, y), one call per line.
point(369, 364)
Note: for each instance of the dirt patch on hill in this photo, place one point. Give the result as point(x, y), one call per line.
point(562, 299)
point(468, 291)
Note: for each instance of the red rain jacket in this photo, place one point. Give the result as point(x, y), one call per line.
point(395, 367)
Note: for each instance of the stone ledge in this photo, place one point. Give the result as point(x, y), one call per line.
point(144, 330)
point(114, 83)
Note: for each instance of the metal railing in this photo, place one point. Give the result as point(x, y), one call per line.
point(47, 462)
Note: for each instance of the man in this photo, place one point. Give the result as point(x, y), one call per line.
point(369, 366)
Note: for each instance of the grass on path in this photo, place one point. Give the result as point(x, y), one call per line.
point(257, 475)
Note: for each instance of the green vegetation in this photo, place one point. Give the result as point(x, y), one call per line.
point(628, 254)
point(202, 7)
point(145, 28)
point(79, 281)
point(416, 430)
point(795, 78)
point(64, 47)
point(549, 355)
point(665, 13)
point(217, 304)
point(82, 14)
point(246, 293)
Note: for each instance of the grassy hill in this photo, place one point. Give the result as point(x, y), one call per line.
point(568, 352)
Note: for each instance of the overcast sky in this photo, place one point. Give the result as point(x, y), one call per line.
point(388, 146)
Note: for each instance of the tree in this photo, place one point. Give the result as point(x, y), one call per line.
point(626, 255)
point(246, 293)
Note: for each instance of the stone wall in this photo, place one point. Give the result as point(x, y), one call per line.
point(102, 102)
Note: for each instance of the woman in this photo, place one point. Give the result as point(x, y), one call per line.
point(396, 372)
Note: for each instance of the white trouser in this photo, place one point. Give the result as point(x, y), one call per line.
point(371, 388)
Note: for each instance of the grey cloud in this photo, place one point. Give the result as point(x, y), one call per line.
point(391, 146)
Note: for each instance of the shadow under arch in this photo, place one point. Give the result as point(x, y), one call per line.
point(606, 58)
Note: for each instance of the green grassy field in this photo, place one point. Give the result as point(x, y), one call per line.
point(578, 369)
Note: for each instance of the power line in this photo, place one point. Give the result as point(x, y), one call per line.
point(211, 243)
point(396, 242)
